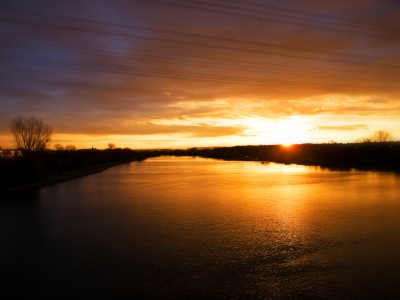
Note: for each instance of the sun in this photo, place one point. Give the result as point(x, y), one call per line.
point(287, 145)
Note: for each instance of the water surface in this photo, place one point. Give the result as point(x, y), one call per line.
point(194, 228)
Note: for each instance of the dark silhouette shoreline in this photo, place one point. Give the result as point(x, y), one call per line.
point(363, 156)
point(57, 178)
point(43, 168)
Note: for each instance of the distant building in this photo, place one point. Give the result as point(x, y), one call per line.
point(8, 153)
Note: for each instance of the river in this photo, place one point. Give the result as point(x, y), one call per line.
point(195, 228)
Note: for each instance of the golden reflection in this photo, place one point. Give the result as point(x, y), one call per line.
point(268, 167)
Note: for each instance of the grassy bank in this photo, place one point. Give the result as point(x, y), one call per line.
point(59, 177)
point(43, 168)
point(37, 169)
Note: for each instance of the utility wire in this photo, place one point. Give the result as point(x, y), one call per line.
point(121, 69)
point(103, 87)
point(187, 34)
point(193, 61)
point(308, 41)
point(392, 36)
point(290, 12)
point(197, 44)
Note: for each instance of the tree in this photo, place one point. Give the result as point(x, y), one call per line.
point(58, 147)
point(70, 147)
point(31, 134)
point(363, 140)
point(382, 136)
point(111, 145)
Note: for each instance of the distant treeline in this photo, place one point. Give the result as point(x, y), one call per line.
point(35, 166)
point(357, 155)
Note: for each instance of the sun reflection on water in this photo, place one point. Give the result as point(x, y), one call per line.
point(183, 228)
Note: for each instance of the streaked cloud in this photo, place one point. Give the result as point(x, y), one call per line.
point(201, 72)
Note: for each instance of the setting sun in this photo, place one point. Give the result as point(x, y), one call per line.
point(149, 78)
point(287, 145)
point(215, 149)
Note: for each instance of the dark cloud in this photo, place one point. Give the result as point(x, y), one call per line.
point(90, 67)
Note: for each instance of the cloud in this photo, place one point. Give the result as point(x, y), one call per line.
point(343, 128)
point(215, 131)
point(149, 128)
point(88, 67)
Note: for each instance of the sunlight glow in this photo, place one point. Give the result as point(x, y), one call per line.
point(287, 145)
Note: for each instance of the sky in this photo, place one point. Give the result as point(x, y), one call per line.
point(150, 74)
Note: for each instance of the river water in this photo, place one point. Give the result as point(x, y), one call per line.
point(194, 228)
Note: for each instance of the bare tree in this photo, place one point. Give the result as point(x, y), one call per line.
point(31, 134)
point(363, 140)
point(70, 147)
point(58, 147)
point(111, 145)
point(382, 136)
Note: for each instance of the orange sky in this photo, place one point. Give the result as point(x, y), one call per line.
point(176, 73)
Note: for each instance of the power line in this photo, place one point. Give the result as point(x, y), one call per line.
point(191, 35)
point(175, 24)
point(302, 13)
point(239, 14)
point(197, 44)
point(190, 60)
point(103, 87)
point(193, 76)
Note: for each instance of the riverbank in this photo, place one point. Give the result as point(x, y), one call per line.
point(362, 156)
point(60, 177)
point(50, 167)
point(195, 228)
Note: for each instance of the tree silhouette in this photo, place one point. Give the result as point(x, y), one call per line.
point(382, 136)
point(70, 147)
point(363, 140)
point(30, 134)
point(58, 147)
point(111, 145)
